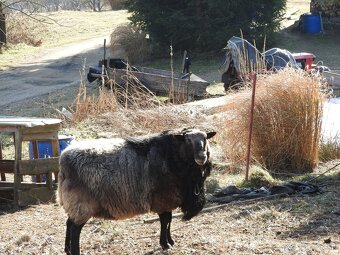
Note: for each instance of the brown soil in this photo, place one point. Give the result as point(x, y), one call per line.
point(291, 225)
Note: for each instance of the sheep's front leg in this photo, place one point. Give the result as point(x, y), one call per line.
point(165, 238)
point(68, 237)
point(74, 236)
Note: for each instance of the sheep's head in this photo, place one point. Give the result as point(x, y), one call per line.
point(195, 149)
point(197, 143)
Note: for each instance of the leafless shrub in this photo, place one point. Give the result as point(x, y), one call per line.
point(287, 122)
point(19, 30)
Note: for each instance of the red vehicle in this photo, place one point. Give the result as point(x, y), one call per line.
point(304, 60)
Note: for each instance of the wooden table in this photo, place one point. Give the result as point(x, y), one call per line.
point(32, 130)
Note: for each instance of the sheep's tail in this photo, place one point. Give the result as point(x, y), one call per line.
point(61, 178)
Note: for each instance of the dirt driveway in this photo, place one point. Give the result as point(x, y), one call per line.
point(47, 71)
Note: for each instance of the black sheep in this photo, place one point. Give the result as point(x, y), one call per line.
point(121, 178)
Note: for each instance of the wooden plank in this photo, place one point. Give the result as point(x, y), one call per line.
point(3, 176)
point(159, 81)
point(36, 156)
point(40, 136)
point(53, 128)
point(6, 195)
point(39, 166)
point(36, 196)
point(7, 166)
point(24, 185)
point(7, 129)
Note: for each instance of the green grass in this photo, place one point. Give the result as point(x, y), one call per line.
point(324, 46)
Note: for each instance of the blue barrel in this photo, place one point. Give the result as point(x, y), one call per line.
point(45, 149)
point(311, 23)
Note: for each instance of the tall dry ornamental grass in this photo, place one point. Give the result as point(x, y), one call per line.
point(287, 122)
point(129, 41)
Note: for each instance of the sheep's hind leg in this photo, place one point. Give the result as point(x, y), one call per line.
point(74, 236)
point(165, 239)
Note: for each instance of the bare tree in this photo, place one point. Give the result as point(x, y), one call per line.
point(100, 5)
point(95, 5)
point(116, 4)
point(3, 38)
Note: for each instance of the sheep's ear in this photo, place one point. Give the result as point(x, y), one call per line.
point(211, 134)
point(179, 137)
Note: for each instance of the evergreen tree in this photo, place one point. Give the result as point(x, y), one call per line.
point(206, 24)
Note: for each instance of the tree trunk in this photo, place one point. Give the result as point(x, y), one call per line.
point(99, 5)
point(94, 5)
point(2, 26)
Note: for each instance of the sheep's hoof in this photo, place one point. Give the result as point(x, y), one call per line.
point(171, 242)
point(166, 246)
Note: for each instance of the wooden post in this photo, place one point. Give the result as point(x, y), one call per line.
point(36, 156)
point(183, 60)
point(55, 153)
point(3, 176)
point(18, 154)
point(251, 118)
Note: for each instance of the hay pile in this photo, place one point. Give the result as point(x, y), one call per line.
point(287, 122)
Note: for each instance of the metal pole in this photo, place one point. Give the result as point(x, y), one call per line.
point(251, 118)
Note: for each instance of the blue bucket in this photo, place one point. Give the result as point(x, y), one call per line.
point(311, 23)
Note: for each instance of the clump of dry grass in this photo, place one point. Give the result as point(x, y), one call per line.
point(258, 178)
point(330, 149)
point(287, 122)
point(112, 96)
point(130, 42)
point(90, 105)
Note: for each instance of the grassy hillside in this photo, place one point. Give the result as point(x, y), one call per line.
point(61, 28)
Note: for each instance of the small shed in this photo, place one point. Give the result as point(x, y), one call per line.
point(17, 190)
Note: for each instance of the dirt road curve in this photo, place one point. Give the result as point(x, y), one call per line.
point(47, 71)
